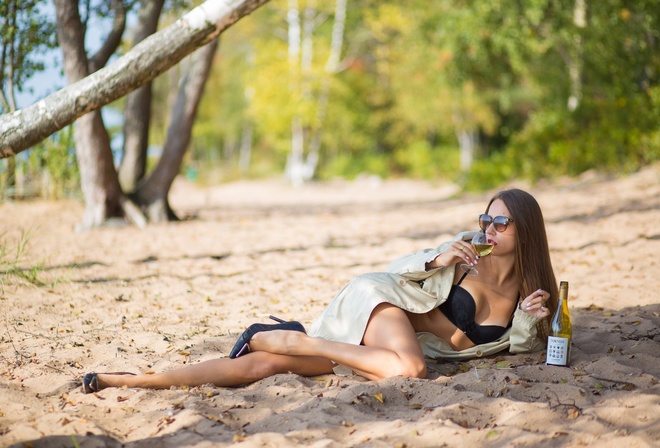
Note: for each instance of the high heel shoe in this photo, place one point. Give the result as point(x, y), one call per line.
point(242, 348)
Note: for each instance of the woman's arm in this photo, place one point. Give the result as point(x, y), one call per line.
point(422, 264)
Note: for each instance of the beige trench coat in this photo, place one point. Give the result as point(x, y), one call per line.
point(345, 318)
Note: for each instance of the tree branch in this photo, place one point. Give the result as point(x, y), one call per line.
point(151, 57)
point(113, 40)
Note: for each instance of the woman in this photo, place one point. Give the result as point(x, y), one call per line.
point(384, 324)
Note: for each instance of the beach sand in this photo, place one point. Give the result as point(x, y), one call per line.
point(121, 298)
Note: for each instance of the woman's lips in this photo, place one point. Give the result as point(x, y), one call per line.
point(492, 242)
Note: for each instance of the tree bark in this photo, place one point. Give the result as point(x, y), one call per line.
point(575, 60)
point(137, 111)
point(467, 141)
point(294, 162)
point(331, 68)
point(153, 56)
point(152, 194)
point(98, 178)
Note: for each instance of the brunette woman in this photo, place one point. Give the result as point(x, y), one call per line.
point(384, 324)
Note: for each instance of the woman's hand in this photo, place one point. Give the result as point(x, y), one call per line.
point(458, 252)
point(534, 304)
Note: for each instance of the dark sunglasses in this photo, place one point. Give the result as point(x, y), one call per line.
point(499, 222)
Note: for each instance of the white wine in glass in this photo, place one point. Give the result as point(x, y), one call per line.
point(482, 247)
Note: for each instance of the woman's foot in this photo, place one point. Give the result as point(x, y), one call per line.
point(94, 382)
point(242, 345)
point(281, 342)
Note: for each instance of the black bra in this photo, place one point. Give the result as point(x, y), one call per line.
point(460, 309)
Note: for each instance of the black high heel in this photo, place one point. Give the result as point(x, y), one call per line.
point(242, 348)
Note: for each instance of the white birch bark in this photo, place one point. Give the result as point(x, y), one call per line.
point(301, 169)
point(467, 141)
point(293, 171)
point(575, 61)
point(331, 68)
point(245, 152)
point(151, 57)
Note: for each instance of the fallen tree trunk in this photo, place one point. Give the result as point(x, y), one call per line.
point(24, 128)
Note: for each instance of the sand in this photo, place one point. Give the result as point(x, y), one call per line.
point(126, 299)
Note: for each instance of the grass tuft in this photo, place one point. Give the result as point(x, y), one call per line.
point(12, 261)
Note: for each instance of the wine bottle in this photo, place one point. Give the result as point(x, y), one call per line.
point(561, 331)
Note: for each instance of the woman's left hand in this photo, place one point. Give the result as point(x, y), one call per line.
point(534, 304)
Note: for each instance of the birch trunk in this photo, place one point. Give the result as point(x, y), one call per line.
point(575, 60)
point(98, 178)
point(152, 194)
point(331, 68)
point(467, 141)
point(151, 57)
point(293, 170)
point(245, 152)
point(137, 111)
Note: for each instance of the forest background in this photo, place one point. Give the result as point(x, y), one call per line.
point(469, 92)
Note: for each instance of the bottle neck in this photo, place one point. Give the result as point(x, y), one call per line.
point(563, 295)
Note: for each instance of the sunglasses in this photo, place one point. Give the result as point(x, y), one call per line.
point(499, 222)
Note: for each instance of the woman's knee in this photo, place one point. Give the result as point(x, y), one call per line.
point(414, 368)
point(261, 365)
point(408, 367)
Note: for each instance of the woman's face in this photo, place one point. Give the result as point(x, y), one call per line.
point(505, 242)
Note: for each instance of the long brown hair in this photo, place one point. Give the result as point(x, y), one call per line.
point(533, 265)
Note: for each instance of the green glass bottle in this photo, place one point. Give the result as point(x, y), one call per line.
point(561, 332)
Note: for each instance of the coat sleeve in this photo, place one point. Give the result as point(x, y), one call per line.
point(524, 336)
point(413, 266)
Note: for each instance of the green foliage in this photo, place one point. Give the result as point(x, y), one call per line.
point(488, 173)
point(412, 76)
point(610, 136)
point(57, 154)
point(48, 170)
point(25, 33)
point(422, 161)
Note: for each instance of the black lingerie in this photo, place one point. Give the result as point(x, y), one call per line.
point(460, 309)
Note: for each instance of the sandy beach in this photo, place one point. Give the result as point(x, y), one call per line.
point(121, 298)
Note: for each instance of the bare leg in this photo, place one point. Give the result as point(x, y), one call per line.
point(224, 372)
point(390, 346)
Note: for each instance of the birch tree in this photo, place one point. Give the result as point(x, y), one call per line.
point(89, 92)
point(152, 57)
point(306, 138)
point(151, 194)
point(137, 110)
point(98, 178)
point(24, 33)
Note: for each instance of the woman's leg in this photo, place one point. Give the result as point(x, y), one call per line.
point(390, 349)
point(390, 346)
point(223, 372)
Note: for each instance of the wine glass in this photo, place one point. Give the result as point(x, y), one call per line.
point(482, 247)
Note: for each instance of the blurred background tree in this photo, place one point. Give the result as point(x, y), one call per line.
point(452, 90)
point(25, 34)
point(465, 91)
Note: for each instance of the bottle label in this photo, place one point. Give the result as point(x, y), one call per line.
point(557, 351)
